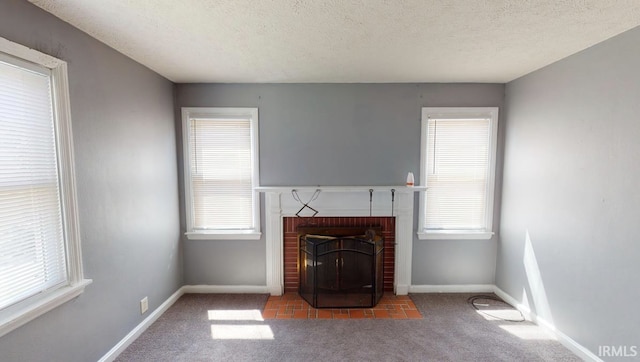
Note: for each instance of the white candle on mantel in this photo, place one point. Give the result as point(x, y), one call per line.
point(410, 180)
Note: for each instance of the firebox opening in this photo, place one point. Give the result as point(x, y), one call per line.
point(341, 267)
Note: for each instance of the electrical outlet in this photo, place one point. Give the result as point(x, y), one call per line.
point(144, 305)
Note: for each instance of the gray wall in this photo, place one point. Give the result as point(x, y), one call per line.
point(338, 134)
point(571, 198)
point(124, 141)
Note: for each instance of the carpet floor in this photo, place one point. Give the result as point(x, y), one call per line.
point(230, 327)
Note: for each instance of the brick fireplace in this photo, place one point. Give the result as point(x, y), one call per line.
point(388, 206)
point(290, 247)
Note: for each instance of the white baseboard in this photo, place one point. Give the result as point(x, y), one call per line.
point(565, 340)
point(402, 289)
point(231, 289)
point(526, 312)
point(455, 288)
point(137, 331)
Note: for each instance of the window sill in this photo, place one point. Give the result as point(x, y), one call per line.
point(455, 235)
point(224, 235)
point(30, 311)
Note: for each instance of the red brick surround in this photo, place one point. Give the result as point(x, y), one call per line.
point(290, 225)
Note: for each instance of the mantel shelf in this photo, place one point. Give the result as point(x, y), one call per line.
point(398, 188)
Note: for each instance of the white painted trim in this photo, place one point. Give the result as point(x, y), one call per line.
point(335, 212)
point(140, 328)
point(454, 235)
point(275, 211)
point(147, 322)
point(32, 55)
point(401, 289)
point(565, 340)
point(274, 244)
point(454, 288)
point(526, 312)
point(574, 346)
point(66, 165)
point(220, 235)
point(455, 113)
point(288, 189)
point(33, 310)
point(28, 309)
point(404, 244)
point(220, 289)
point(422, 209)
point(215, 113)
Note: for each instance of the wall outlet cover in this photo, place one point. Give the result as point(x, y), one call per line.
point(144, 305)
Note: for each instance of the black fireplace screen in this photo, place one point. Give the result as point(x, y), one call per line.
point(341, 271)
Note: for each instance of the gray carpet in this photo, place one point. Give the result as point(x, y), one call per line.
point(452, 330)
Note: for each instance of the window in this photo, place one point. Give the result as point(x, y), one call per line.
point(40, 260)
point(458, 168)
point(221, 172)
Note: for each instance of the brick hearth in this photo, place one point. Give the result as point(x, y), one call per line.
point(292, 306)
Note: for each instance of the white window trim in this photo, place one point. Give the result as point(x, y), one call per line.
point(27, 310)
point(247, 113)
point(459, 112)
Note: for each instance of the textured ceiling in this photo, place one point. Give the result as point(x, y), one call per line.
point(365, 41)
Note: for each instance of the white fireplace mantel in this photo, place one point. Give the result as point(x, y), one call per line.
point(339, 201)
point(340, 188)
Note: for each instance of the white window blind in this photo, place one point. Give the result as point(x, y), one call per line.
point(32, 244)
point(457, 168)
point(221, 171)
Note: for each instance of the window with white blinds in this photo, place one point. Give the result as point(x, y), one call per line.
point(458, 158)
point(221, 159)
point(32, 245)
point(40, 262)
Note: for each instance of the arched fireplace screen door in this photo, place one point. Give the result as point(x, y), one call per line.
point(341, 271)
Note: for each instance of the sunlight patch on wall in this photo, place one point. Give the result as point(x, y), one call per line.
point(534, 278)
point(235, 315)
point(525, 302)
point(253, 331)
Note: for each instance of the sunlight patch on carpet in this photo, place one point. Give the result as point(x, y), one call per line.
point(255, 331)
point(499, 314)
point(528, 332)
point(235, 315)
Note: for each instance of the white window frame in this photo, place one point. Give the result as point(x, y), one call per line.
point(26, 310)
point(220, 112)
point(462, 113)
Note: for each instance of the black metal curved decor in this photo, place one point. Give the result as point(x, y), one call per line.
point(341, 271)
